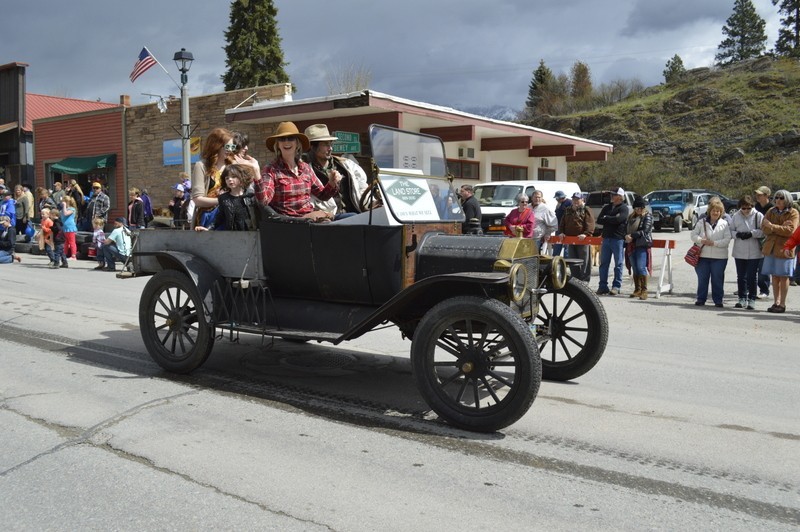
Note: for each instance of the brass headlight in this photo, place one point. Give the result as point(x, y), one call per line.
point(558, 273)
point(517, 282)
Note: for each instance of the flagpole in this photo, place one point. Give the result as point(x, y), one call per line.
point(162, 67)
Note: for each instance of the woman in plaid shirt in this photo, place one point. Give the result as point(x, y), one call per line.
point(286, 185)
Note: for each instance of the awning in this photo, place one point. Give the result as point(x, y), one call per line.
point(83, 165)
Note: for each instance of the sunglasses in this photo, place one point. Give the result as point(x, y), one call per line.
point(747, 208)
point(230, 147)
point(522, 202)
point(779, 197)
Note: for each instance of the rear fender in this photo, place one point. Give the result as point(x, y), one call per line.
point(202, 274)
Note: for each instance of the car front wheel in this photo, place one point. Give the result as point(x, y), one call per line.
point(476, 363)
point(677, 224)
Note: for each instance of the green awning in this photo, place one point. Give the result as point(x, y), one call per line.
point(84, 165)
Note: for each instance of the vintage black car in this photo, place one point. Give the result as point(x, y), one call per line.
point(479, 310)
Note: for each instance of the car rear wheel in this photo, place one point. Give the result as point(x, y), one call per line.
point(174, 327)
point(571, 330)
point(476, 363)
point(693, 223)
point(656, 226)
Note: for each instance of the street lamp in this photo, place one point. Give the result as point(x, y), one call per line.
point(183, 60)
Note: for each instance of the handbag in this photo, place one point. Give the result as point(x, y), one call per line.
point(693, 255)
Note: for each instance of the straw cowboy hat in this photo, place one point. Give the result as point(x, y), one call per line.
point(287, 129)
point(319, 133)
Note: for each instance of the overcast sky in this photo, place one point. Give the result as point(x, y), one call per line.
point(448, 52)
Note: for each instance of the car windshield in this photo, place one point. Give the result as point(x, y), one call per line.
point(412, 176)
point(498, 195)
point(667, 195)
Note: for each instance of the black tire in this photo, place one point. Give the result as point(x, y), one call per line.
point(571, 331)
point(677, 224)
point(693, 223)
point(657, 226)
point(173, 326)
point(457, 349)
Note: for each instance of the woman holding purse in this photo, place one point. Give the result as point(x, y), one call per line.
point(713, 234)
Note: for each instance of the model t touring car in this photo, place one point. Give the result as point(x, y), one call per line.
point(479, 310)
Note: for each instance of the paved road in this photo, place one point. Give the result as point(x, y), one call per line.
point(689, 421)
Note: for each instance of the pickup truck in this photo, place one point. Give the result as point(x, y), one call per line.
point(596, 200)
point(499, 197)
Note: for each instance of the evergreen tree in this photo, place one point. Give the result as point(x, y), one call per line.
point(253, 49)
point(580, 82)
point(541, 82)
point(674, 70)
point(745, 35)
point(788, 43)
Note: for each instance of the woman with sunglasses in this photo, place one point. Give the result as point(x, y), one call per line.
point(778, 225)
point(746, 233)
point(219, 150)
point(520, 221)
point(287, 184)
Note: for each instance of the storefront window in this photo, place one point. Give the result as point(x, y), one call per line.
point(464, 169)
point(503, 172)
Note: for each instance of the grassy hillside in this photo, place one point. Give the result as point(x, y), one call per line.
point(730, 129)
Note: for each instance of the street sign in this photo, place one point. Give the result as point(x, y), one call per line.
point(348, 142)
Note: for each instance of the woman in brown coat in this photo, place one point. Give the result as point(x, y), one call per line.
point(778, 225)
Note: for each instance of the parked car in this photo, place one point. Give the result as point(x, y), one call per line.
point(596, 200)
point(499, 197)
point(731, 205)
point(487, 317)
point(672, 208)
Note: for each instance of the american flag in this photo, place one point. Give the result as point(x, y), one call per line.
point(145, 61)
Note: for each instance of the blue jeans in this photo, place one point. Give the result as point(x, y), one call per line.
point(557, 248)
point(112, 254)
point(639, 261)
point(746, 277)
point(6, 257)
point(611, 247)
point(713, 269)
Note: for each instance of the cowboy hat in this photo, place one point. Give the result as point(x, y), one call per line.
point(319, 133)
point(287, 129)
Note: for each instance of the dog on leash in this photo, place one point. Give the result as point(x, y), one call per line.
point(595, 254)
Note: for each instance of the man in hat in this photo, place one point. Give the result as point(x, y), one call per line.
point(99, 204)
point(563, 204)
point(176, 205)
point(287, 184)
point(578, 221)
point(614, 218)
point(353, 179)
point(58, 192)
point(117, 246)
point(763, 204)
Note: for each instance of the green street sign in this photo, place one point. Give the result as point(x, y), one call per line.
point(348, 142)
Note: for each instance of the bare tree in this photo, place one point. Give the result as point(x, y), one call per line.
point(350, 77)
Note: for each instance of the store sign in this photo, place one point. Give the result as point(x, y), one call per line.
point(348, 142)
point(173, 151)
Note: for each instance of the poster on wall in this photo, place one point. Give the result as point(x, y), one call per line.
point(173, 151)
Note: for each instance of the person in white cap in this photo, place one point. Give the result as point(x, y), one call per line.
point(176, 205)
point(324, 163)
point(614, 218)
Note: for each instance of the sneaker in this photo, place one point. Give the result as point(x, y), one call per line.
point(741, 303)
point(613, 292)
point(53, 266)
point(792, 283)
point(718, 305)
point(751, 304)
point(109, 269)
point(763, 294)
point(699, 303)
point(602, 291)
point(99, 267)
point(65, 265)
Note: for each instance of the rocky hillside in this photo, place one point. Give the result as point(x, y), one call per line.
point(729, 129)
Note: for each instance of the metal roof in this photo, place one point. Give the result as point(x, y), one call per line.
point(41, 106)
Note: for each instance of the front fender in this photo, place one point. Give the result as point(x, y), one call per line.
point(201, 273)
point(423, 295)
